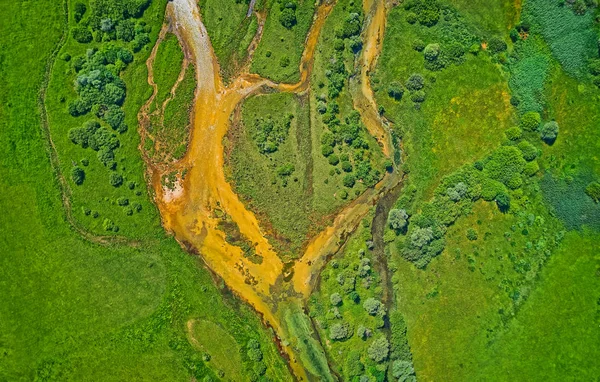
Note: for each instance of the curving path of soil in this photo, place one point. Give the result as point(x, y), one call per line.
point(192, 212)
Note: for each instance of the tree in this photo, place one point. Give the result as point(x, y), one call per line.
point(421, 237)
point(336, 299)
point(255, 354)
point(431, 52)
point(514, 133)
point(349, 180)
point(372, 306)
point(379, 350)
point(346, 166)
point(402, 370)
point(77, 175)
point(334, 159)
point(497, 45)
point(288, 18)
point(397, 219)
point(79, 11)
point(530, 121)
point(82, 35)
point(339, 331)
point(549, 132)
point(418, 45)
point(116, 180)
point(396, 90)
point(415, 82)
point(363, 332)
point(529, 151)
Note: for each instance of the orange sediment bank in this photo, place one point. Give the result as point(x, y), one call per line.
point(191, 212)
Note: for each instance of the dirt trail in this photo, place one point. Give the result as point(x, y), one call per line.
point(191, 213)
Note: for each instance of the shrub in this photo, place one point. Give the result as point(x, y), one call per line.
point(77, 175)
point(515, 182)
point(108, 225)
point(340, 331)
point(549, 132)
point(346, 166)
point(471, 234)
point(531, 168)
point(431, 52)
point(529, 151)
point(353, 366)
point(123, 201)
point(396, 90)
point(411, 17)
point(335, 299)
point(503, 201)
point(490, 188)
point(334, 160)
point(514, 133)
point(418, 45)
point(363, 333)
point(259, 368)
point(343, 194)
point(415, 82)
point(82, 35)
point(326, 150)
point(397, 219)
point(284, 61)
point(255, 354)
point(530, 121)
point(349, 180)
point(372, 306)
point(116, 180)
point(593, 191)
point(379, 349)
point(418, 96)
point(496, 45)
point(287, 18)
point(594, 67)
point(504, 163)
point(79, 11)
point(421, 237)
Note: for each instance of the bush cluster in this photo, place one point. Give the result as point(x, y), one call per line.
point(255, 355)
point(287, 17)
point(270, 133)
point(99, 139)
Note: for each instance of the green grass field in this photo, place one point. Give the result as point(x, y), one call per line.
point(473, 313)
point(168, 57)
point(280, 49)
point(72, 309)
point(230, 31)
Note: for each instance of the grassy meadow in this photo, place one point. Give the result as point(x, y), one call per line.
point(73, 309)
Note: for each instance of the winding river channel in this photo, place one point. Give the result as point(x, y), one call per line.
point(192, 210)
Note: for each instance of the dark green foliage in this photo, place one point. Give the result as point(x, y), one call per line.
point(77, 175)
point(399, 347)
point(549, 132)
point(334, 159)
point(571, 37)
point(418, 96)
point(570, 201)
point(426, 12)
point(396, 90)
point(503, 201)
point(497, 45)
point(115, 180)
point(349, 180)
point(287, 18)
point(81, 35)
point(379, 349)
point(415, 82)
point(593, 191)
point(270, 133)
point(78, 11)
point(418, 45)
point(530, 121)
point(528, 72)
point(352, 26)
